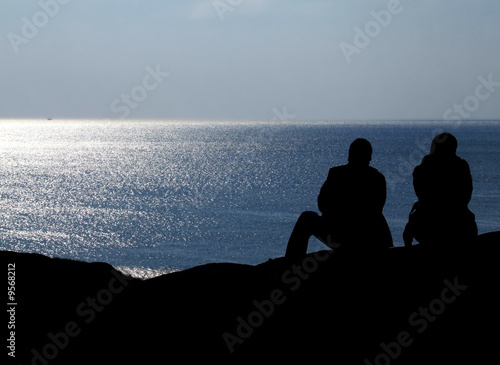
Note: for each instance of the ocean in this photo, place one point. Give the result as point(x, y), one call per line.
point(151, 197)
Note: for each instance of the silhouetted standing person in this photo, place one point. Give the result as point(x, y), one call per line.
point(443, 185)
point(351, 202)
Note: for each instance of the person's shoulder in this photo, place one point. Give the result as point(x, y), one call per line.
point(373, 171)
point(423, 166)
point(462, 164)
point(461, 161)
point(337, 169)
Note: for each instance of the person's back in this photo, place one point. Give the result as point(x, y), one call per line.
point(443, 185)
point(352, 197)
point(351, 202)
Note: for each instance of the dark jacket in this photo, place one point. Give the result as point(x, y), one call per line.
point(443, 186)
point(352, 200)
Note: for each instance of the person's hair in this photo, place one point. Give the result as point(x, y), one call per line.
point(360, 152)
point(444, 144)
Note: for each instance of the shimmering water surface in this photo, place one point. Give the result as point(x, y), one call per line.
point(152, 197)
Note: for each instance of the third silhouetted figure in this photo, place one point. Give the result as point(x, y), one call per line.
point(351, 202)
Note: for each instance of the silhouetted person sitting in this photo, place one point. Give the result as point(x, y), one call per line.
point(443, 185)
point(351, 202)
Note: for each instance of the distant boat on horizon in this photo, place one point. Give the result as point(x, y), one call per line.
point(49, 118)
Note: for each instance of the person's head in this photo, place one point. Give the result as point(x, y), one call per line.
point(444, 145)
point(360, 152)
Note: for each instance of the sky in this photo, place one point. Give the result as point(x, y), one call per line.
point(250, 59)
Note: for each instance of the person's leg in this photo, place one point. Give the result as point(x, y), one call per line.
point(409, 231)
point(408, 234)
point(308, 224)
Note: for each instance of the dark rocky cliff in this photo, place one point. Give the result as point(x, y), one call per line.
point(399, 306)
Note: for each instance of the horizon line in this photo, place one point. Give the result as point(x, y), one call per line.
point(236, 121)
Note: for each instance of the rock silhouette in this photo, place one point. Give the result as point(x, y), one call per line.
point(398, 306)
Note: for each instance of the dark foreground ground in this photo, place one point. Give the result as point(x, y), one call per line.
point(400, 306)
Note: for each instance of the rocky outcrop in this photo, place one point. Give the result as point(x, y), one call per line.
point(398, 306)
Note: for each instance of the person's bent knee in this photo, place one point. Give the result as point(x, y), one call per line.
point(308, 215)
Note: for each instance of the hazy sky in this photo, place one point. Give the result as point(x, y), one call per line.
point(242, 59)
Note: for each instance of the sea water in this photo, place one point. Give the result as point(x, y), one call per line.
point(152, 197)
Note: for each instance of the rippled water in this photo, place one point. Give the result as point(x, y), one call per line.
point(151, 197)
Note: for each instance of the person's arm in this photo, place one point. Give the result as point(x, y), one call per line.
point(325, 193)
point(418, 183)
point(382, 195)
point(467, 184)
